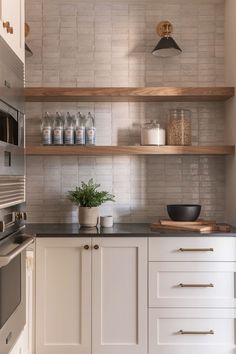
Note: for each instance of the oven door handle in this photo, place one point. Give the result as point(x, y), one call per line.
point(6, 259)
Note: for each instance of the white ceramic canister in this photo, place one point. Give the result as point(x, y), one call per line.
point(152, 133)
point(106, 221)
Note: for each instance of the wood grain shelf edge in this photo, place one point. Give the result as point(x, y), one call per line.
point(130, 150)
point(123, 94)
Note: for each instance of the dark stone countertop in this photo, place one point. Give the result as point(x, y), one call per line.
point(128, 230)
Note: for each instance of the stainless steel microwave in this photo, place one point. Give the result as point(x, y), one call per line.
point(11, 141)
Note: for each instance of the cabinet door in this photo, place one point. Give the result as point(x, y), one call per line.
point(63, 296)
point(119, 296)
point(12, 11)
point(3, 31)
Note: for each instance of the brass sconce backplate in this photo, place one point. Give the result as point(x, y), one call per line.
point(164, 29)
point(27, 29)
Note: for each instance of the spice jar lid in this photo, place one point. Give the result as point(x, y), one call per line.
point(180, 113)
point(153, 124)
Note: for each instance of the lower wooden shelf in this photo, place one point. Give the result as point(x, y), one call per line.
point(130, 150)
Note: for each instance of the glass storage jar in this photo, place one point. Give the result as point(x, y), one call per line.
point(179, 130)
point(152, 133)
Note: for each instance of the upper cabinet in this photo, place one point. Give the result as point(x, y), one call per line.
point(12, 22)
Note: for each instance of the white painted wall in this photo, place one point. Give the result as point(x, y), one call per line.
point(230, 72)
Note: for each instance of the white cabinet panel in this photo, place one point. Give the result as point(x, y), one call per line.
point(24, 342)
point(195, 284)
point(63, 297)
point(119, 300)
point(194, 331)
point(3, 32)
point(13, 11)
point(17, 349)
point(29, 302)
point(192, 249)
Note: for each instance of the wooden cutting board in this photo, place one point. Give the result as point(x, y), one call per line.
point(187, 223)
point(201, 226)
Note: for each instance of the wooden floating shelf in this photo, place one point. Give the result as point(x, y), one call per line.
point(130, 150)
point(128, 94)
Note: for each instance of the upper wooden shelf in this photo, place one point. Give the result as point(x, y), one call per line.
point(130, 150)
point(126, 94)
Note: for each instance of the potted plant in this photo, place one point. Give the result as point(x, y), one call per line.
point(88, 199)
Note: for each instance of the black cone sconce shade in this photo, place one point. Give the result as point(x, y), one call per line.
point(28, 51)
point(166, 47)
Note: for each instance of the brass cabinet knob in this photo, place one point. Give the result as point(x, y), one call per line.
point(96, 247)
point(10, 30)
point(6, 24)
point(86, 247)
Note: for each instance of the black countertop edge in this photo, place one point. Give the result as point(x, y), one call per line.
point(128, 230)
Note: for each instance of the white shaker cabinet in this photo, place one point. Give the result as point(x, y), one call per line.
point(19, 347)
point(119, 295)
point(192, 331)
point(91, 295)
point(192, 295)
point(192, 284)
point(63, 296)
point(12, 25)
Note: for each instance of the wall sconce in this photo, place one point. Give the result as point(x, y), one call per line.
point(166, 47)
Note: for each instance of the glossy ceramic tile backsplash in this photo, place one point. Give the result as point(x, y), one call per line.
point(108, 43)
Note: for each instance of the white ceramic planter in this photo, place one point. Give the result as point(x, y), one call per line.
point(88, 217)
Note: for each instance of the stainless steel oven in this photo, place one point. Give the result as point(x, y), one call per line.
point(12, 288)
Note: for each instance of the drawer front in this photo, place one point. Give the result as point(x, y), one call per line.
point(182, 331)
point(192, 249)
point(185, 284)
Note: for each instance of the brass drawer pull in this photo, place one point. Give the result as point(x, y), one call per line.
point(196, 249)
point(196, 332)
point(210, 285)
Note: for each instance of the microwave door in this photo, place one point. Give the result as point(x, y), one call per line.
point(4, 128)
point(8, 129)
point(12, 130)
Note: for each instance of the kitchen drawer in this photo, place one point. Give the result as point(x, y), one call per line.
point(195, 331)
point(192, 249)
point(192, 284)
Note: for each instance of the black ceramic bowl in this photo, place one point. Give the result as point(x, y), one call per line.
point(184, 212)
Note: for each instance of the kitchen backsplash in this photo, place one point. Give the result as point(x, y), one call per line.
point(109, 43)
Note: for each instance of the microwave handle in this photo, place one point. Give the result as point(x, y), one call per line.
point(6, 259)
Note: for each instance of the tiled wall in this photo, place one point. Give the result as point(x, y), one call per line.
point(109, 43)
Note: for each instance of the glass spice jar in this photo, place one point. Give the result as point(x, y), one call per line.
point(179, 129)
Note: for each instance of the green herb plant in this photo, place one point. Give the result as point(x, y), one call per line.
point(88, 196)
